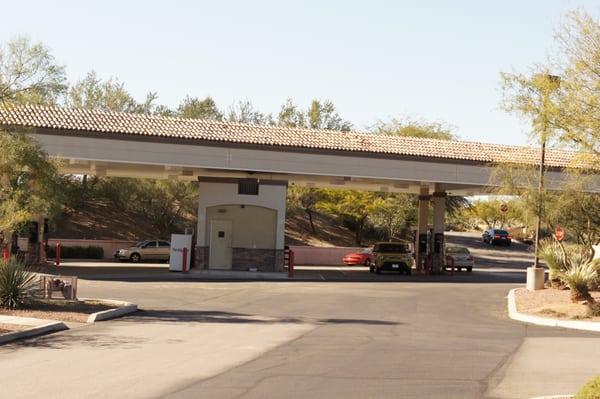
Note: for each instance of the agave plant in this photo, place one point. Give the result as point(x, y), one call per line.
point(16, 283)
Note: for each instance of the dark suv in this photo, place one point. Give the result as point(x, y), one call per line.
point(495, 237)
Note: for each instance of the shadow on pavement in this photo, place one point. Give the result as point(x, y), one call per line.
point(204, 316)
point(509, 273)
point(65, 341)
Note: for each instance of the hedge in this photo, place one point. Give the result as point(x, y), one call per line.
point(76, 252)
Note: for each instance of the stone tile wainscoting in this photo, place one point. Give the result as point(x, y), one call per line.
point(201, 257)
point(264, 260)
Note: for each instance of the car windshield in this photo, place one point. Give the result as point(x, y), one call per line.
point(392, 247)
point(457, 250)
point(140, 243)
point(501, 232)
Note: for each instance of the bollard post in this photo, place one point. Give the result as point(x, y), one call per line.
point(57, 255)
point(5, 254)
point(184, 265)
point(291, 264)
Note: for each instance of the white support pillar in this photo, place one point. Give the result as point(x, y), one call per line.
point(421, 239)
point(439, 225)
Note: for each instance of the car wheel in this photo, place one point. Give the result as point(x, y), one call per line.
point(469, 268)
point(135, 258)
point(371, 269)
point(508, 244)
point(408, 271)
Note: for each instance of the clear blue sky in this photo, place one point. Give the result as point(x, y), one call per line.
point(436, 60)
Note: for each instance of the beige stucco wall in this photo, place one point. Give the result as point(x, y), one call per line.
point(272, 160)
point(272, 197)
point(253, 226)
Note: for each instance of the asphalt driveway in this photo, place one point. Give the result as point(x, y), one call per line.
point(343, 337)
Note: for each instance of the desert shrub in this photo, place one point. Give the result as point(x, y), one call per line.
point(594, 309)
point(579, 277)
point(77, 252)
point(591, 390)
point(555, 257)
point(16, 283)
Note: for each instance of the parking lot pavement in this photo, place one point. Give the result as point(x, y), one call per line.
point(139, 356)
point(345, 336)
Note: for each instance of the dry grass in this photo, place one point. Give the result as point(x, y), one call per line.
point(553, 303)
point(57, 310)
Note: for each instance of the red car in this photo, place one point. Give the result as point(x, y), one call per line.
point(363, 258)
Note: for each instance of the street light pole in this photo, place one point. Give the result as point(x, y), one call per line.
point(536, 274)
point(538, 221)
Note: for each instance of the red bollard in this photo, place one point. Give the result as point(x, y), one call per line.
point(184, 262)
point(291, 264)
point(57, 257)
point(5, 254)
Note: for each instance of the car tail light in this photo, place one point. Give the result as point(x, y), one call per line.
point(509, 237)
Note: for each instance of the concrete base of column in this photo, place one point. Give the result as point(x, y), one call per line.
point(535, 278)
point(437, 264)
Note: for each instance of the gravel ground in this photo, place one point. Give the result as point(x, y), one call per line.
point(8, 328)
point(57, 310)
point(552, 303)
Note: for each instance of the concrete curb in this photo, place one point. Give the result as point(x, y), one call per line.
point(235, 274)
point(555, 397)
point(122, 308)
point(34, 331)
point(546, 321)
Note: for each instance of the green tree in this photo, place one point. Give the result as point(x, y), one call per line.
point(30, 185)
point(169, 205)
point(244, 112)
point(578, 108)
point(569, 111)
point(319, 115)
point(563, 110)
point(406, 127)
point(195, 108)
point(353, 207)
point(29, 73)
point(395, 213)
point(488, 211)
point(92, 92)
point(306, 199)
point(323, 115)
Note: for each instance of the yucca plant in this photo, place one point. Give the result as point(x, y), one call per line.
point(16, 283)
point(555, 257)
point(579, 277)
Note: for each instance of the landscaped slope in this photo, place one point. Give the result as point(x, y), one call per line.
point(99, 220)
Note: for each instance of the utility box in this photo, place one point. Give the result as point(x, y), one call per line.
point(179, 242)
